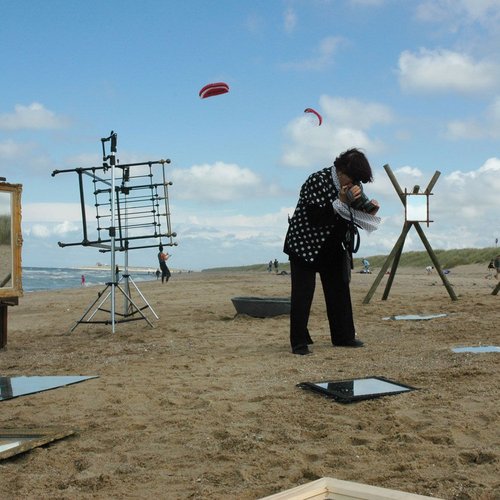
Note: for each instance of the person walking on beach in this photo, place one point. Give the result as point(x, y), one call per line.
point(276, 265)
point(162, 260)
point(319, 240)
point(83, 279)
point(270, 266)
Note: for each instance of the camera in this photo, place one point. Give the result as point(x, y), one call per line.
point(361, 203)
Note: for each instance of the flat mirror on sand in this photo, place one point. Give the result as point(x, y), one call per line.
point(12, 387)
point(414, 317)
point(15, 441)
point(478, 349)
point(351, 390)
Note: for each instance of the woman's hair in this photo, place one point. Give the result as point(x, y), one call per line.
point(354, 164)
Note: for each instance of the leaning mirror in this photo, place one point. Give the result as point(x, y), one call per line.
point(417, 208)
point(10, 240)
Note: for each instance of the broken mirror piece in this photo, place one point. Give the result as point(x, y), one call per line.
point(415, 317)
point(15, 441)
point(476, 349)
point(351, 390)
point(12, 387)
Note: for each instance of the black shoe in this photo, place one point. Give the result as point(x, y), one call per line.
point(301, 350)
point(349, 343)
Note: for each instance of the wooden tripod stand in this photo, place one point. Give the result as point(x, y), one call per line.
point(395, 254)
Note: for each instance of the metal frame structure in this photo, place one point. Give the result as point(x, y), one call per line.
point(132, 205)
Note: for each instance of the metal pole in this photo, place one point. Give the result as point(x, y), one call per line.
point(112, 229)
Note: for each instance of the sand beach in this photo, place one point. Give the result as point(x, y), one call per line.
point(204, 405)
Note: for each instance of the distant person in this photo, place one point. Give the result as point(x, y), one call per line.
point(162, 259)
point(366, 266)
point(270, 266)
point(276, 265)
point(83, 279)
point(158, 274)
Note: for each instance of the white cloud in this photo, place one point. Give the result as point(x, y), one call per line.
point(488, 126)
point(321, 58)
point(445, 70)
point(23, 157)
point(464, 209)
point(346, 123)
point(353, 113)
point(33, 116)
point(53, 212)
point(218, 182)
point(65, 228)
point(10, 149)
point(411, 172)
point(40, 231)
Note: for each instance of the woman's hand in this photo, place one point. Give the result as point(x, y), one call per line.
point(377, 206)
point(349, 193)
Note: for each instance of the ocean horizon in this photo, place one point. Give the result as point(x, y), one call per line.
point(57, 278)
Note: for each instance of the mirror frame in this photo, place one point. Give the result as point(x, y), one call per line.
point(16, 240)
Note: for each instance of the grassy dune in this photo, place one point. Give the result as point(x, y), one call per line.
point(447, 258)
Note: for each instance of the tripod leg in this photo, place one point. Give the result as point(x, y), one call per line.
point(378, 279)
point(135, 305)
point(143, 298)
point(394, 268)
point(435, 261)
point(90, 307)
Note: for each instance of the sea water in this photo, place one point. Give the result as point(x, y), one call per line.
point(56, 278)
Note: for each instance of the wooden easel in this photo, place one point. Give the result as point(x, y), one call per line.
point(395, 254)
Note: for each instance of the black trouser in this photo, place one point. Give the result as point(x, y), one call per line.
point(165, 271)
point(335, 281)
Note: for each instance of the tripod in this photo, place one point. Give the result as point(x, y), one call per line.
point(131, 308)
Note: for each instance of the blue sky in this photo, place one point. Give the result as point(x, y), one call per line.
point(415, 84)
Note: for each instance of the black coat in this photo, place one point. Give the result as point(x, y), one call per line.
point(315, 231)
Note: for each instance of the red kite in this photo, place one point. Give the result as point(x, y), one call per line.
point(214, 89)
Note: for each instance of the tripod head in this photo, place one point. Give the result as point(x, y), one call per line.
point(113, 138)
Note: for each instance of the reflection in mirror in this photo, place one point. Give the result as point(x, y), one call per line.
point(12, 387)
point(348, 391)
point(417, 208)
point(5, 240)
